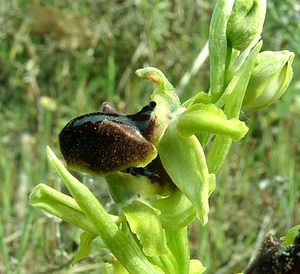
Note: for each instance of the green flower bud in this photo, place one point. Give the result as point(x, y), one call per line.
point(270, 78)
point(245, 23)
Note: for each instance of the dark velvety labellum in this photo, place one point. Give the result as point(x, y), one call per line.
point(154, 171)
point(103, 142)
point(274, 258)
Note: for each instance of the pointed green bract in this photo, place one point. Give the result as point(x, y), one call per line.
point(232, 98)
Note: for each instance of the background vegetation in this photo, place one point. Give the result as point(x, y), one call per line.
point(58, 62)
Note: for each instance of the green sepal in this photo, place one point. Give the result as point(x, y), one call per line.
point(177, 211)
point(209, 118)
point(184, 160)
point(119, 186)
point(236, 89)
point(144, 222)
point(165, 93)
point(289, 238)
point(84, 248)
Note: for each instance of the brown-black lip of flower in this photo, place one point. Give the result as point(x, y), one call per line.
point(156, 173)
point(104, 142)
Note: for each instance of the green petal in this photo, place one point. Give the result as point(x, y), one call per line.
point(184, 161)
point(209, 118)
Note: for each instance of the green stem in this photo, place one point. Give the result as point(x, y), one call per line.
point(233, 99)
point(178, 243)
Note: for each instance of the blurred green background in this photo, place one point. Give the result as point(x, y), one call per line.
point(59, 59)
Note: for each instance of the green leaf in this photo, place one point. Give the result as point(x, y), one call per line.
point(209, 118)
point(289, 238)
point(184, 161)
point(144, 222)
point(84, 248)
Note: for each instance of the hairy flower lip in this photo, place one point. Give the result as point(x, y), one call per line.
point(104, 142)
